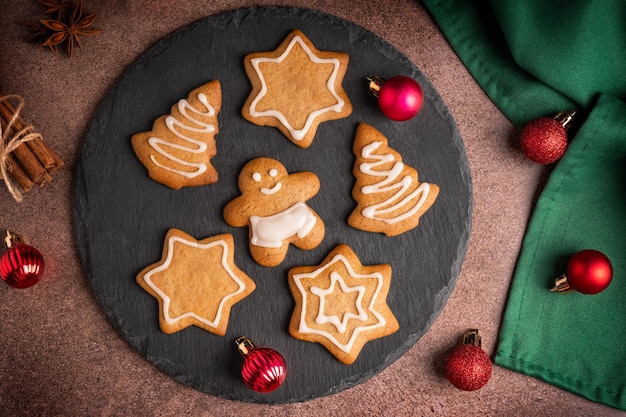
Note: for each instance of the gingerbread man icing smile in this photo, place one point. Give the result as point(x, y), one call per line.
point(273, 205)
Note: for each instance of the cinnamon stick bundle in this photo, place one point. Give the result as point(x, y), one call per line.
point(32, 162)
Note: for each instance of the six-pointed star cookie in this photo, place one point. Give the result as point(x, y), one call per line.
point(341, 303)
point(196, 282)
point(296, 87)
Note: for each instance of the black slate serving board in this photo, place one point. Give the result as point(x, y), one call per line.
point(121, 215)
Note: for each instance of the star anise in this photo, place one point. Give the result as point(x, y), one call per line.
point(59, 8)
point(39, 34)
point(66, 29)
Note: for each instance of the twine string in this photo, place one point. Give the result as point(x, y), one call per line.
point(9, 144)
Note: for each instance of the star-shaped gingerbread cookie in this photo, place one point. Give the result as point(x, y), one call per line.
point(341, 303)
point(196, 282)
point(296, 87)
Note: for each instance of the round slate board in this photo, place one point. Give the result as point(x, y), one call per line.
point(122, 216)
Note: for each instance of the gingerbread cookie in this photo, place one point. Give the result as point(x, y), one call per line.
point(273, 205)
point(296, 87)
point(389, 197)
point(177, 151)
point(196, 282)
point(341, 303)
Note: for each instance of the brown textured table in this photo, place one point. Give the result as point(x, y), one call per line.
point(61, 357)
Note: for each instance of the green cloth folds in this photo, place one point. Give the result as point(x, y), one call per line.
point(575, 341)
point(533, 59)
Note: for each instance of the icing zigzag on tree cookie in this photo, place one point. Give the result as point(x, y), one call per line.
point(390, 199)
point(177, 151)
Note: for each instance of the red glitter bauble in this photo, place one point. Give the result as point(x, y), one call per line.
point(263, 369)
point(21, 266)
point(468, 367)
point(589, 271)
point(400, 98)
point(543, 140)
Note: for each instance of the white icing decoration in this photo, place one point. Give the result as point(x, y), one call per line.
point(166, 264)
point(297, 134)
point(270, 231)
point(346, 347)
point(273, 190)
point(390, 182)
point(196, 146)
point(340, 324)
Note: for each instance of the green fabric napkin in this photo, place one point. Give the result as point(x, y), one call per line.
point(575, 341)
point(534, 58)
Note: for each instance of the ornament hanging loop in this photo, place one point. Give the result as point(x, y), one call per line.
point(561, 285)
point(12, 239)
point(244, 345)
point(565, 118)
point(374, 84)
point(471, 337)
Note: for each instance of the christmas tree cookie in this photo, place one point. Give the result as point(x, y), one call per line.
point(177, 151)
point(389, 197)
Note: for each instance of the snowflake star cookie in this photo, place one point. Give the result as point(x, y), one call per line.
point(389, 197)
point(273, 205)
point(341, 303)
point(196, 282)
point(296, 87)
point(177, 151)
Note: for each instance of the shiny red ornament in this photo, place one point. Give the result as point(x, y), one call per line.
point(263, 369)
point(468, 367)
point(544, 140)
point(588, 272)
point(400, 98)
point(21, 266)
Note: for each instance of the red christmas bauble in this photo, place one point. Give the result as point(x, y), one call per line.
point(543, 140)
point(468, 367)
point(400, 98)
point(263, 369)
point(21, 266)
point(589, 271)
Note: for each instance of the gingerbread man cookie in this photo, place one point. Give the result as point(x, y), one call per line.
point(273, 205)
